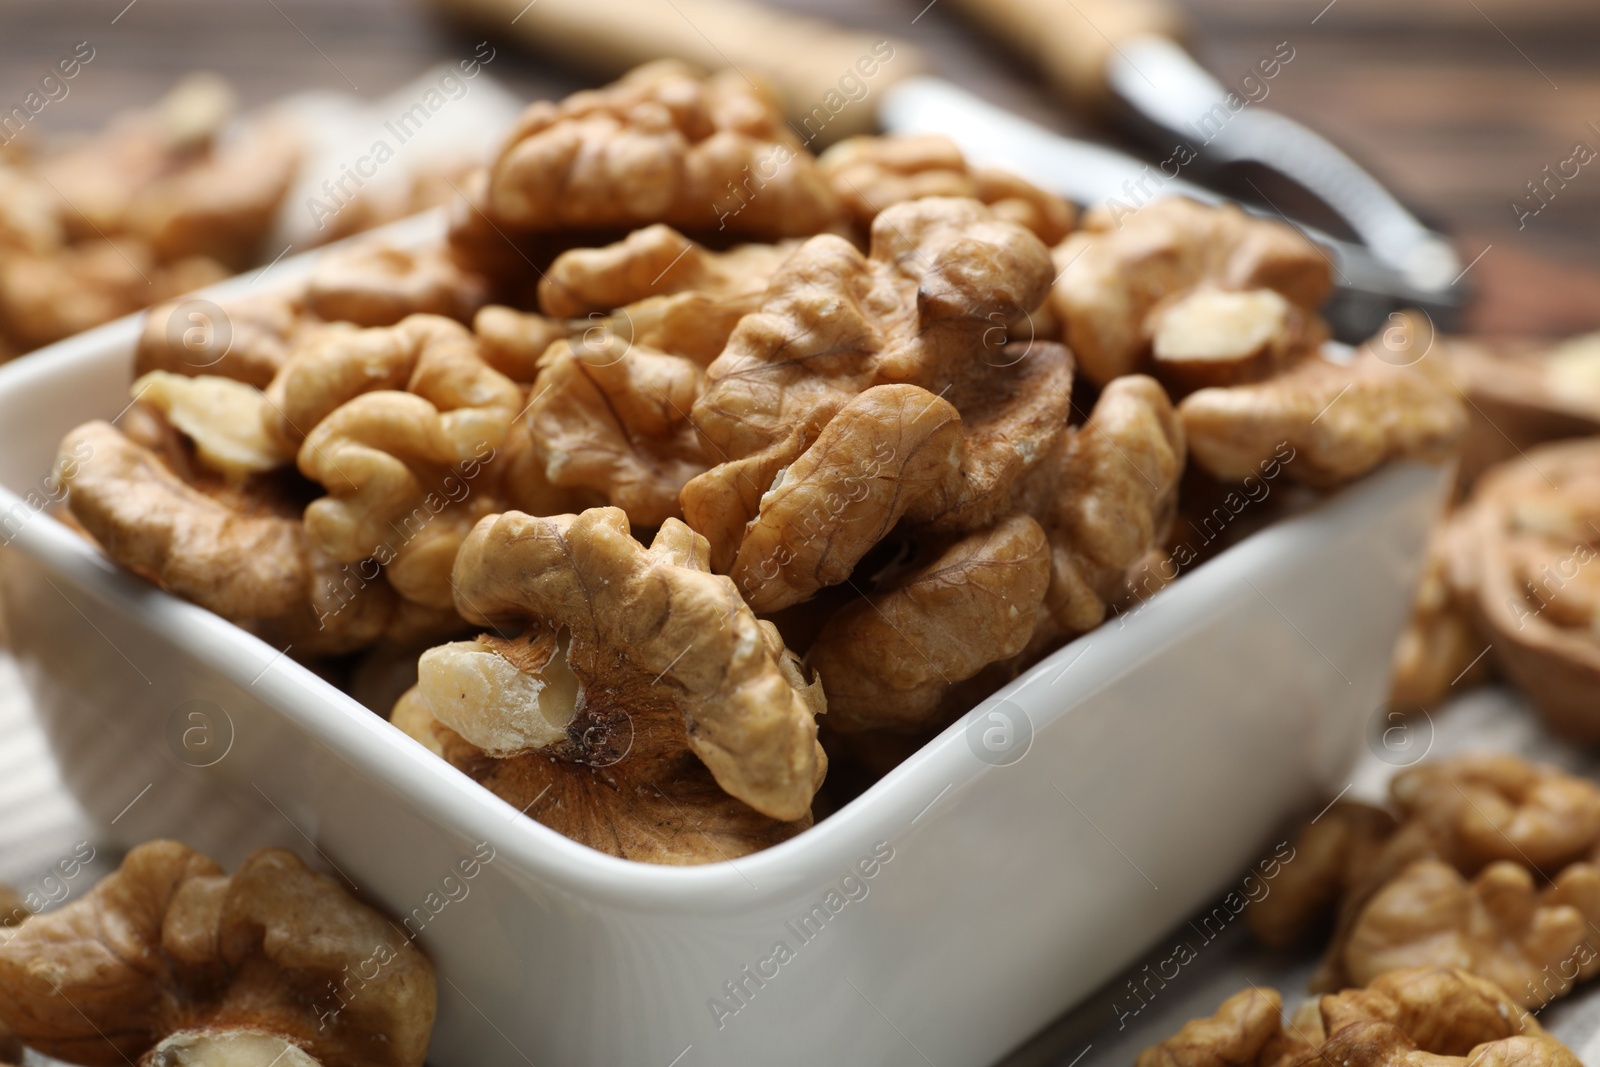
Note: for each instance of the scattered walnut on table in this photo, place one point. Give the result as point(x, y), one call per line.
point(1190, 293)
point(869, 174)
point(1439, 653)
point(172, 961)
point(644, 711)
point(1531, 943)
point(1329, 856)
point(1433, 1015)
point(1526, 568)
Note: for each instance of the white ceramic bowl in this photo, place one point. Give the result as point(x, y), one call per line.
point(999, 875)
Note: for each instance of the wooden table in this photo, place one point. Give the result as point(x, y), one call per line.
point(1456, 103)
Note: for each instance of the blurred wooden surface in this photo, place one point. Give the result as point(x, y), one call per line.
point(1457, 104)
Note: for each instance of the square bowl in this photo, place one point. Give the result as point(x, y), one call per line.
point(1000, 874)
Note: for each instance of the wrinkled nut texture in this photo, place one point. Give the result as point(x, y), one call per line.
point(654, 261)
point(1341, 419)
point(888, 660)
point(241, 553)
point(1491, 807)
point(660, 145)
point(869, 174)
point(250, 342)
point(945, 285)
point(1531, 944)
point(1425, 1017)
point(1119, 276)
point(609, 417)
point(653, 625)
point(1115, 499)
point(391, 460)
point(171, 953)
point(1329, 855)
point(372, 283)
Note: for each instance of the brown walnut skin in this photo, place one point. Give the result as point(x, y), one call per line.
point(650, 619)
point(660, 145)
point(169, 943)
point(371, 283)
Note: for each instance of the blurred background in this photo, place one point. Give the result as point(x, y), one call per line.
point(1456, 104)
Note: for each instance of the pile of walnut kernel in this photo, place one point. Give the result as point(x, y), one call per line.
point(1453, 916)
point(690, 460)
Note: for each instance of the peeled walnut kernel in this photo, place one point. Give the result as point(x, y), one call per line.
point(171, 960)
point(1213, 337)
point(252, 341)
point(1329, 856)
point(502, 708)
point(1440, 652)
point(226, 420)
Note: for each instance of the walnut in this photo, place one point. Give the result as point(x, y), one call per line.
point(237, 550)
point(373, 283)
point(1439, 649)
point(1181, 290)
point(174, 961)
point(658, 645)
point(407, 472)
point(223, 205)
point(888, 660)
point(931, 307)
point(30, 213)
point(226, 420)
point(1491, 807)
point(44, 298)
point(1246, 1031)
point(1523, 393)
point(250, 341)
point(1341, 419)
point(1115, 499)
point(660, 145)
point(869, 174)
point(1525, 566)
point(1329, 856)
point(1496, 927)
point(1434, 1016)
point(654, 261)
